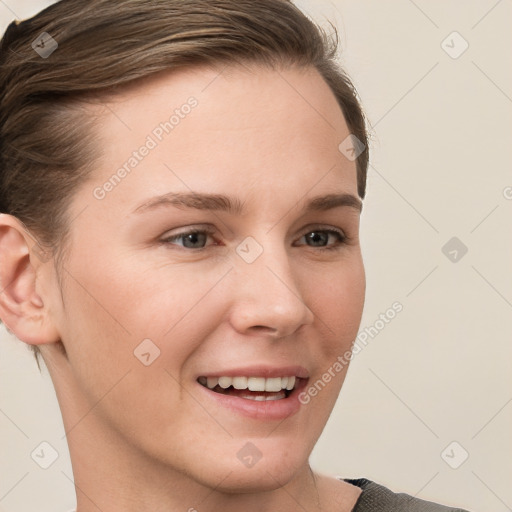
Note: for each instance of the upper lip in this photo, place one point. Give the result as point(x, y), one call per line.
point(260, 371)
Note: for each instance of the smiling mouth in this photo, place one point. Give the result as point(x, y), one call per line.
point(252, 388)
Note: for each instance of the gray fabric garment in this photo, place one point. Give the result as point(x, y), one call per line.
point(377, 498)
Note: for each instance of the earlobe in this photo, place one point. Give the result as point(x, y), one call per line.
point(21, 308)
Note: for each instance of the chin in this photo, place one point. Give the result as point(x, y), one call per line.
point(255, 480)
point(259, 465)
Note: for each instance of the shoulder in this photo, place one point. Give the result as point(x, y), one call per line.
point(377, 498)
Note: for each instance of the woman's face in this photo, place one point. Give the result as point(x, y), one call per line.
point(151, 315)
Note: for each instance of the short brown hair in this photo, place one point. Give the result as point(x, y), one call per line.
point(46, 143)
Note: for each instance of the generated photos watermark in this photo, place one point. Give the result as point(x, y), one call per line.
point(361, 341)
point(156, 136)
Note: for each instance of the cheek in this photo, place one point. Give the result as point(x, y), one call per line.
point(111, 313)
point(338, 307)
point(113, 308)
point(336, 297)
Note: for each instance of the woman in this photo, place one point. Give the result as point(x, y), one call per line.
point(181, 187)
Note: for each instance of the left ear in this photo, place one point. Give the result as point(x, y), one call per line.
point(23, 311)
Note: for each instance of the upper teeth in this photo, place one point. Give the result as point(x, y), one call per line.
point(273, 384)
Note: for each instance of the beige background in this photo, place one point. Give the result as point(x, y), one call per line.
point(441, 370)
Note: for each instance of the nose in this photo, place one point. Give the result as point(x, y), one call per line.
point(267, 297)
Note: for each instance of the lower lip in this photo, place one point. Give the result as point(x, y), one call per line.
point(268, 410)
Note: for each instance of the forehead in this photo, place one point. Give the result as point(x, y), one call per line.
point(229, 99)
point(235, 129)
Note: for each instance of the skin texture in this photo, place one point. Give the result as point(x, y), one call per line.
point(147, 437)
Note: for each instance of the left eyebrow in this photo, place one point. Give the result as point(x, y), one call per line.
point(220, 202)
point(323, 203)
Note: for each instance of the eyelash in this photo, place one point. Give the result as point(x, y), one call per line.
point(342, 238)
